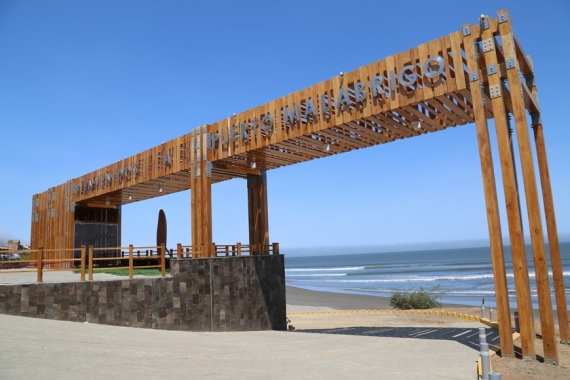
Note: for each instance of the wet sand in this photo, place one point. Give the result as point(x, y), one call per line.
point(338, 301)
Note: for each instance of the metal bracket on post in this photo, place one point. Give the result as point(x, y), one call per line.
point(196, 172)
point(510, 63)
point(209, 167)
point(483, 93)
point(466, 30)
point(488, 44)
point(495, 91)
point(535, 119)
point(476, 46)
point(208, 141)
point(474, 76)
point(484, 23)
point(503, 17)
point(513, 38)
point(492, 69)
point(530, 82)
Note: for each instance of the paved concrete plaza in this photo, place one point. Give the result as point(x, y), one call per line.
point(47, 349)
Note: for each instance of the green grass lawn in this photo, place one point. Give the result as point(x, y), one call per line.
point(24, 256)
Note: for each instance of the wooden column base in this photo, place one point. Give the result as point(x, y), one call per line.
point(258, 213)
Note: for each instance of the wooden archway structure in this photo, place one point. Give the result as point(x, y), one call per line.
point(469, 76)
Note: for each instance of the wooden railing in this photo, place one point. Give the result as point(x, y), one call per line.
point(221, 250)
point(160, 256)
point(239, 249)
point(38, 262)
point(48, 260)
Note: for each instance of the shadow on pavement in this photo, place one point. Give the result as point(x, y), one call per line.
point(466, 336)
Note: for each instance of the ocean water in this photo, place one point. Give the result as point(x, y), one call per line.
point(465, 275)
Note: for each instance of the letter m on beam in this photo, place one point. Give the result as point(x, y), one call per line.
point(291, 117)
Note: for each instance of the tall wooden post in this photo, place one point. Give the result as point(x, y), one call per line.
point(131, 260)
point(258, 213)
point(40, 264)
point(82, 263)
point(516, 235)
point(531, 192)
point(201, 194)
point(493, 219)
point(90, 263)
point(162, 259)
point(552, 230)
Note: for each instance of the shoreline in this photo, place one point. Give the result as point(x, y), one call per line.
point(315, 299)
point(340, 301)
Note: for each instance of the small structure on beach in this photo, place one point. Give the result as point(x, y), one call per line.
point(474, 74)
point(12, 245)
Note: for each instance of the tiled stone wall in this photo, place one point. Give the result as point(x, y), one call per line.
point(216, 294)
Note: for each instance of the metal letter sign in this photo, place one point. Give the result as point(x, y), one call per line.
point(430, 73)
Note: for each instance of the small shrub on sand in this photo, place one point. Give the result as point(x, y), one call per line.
point(417, 299)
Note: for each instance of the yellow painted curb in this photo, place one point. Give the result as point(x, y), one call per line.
point(493, 325)
point(437, 313)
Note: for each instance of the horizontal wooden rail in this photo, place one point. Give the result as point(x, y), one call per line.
point(19, 251)
point(160, 255)
point(42, 264)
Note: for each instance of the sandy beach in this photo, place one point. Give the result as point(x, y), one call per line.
point(298, 298)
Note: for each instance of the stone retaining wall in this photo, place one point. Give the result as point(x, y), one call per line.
point(215, 294)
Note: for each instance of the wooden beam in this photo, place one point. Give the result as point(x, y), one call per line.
point(524, 64)
point(516, 235)
point(238, 169)
point(258, 214)
point(531, 192)
point(552, 230)
point(493, 219)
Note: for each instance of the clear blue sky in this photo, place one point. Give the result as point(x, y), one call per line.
point(86, 83)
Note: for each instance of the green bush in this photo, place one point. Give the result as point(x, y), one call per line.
point(417, 299)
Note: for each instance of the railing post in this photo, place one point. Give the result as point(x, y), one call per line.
point(163, 260)
point(238, 249)
point(214, 250)
point(82, 263)
point(275, 248)
point(227, 250)
point(40, 263)
point(131, 261)
point(179, 252)
point(90, 263)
